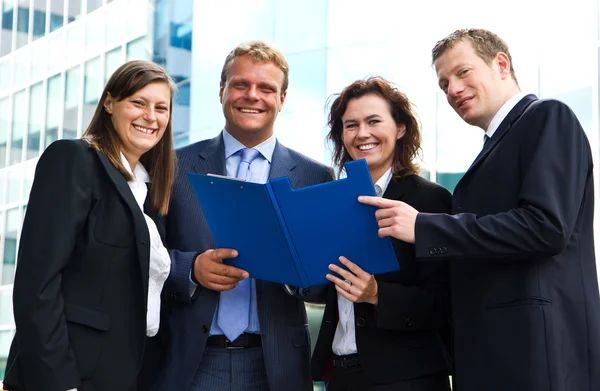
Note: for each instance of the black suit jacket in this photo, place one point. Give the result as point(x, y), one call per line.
point(81, 284)
point(406, 335)
point(526, 311)
point(283, 322)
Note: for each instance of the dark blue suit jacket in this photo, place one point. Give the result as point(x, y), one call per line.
point(283, 322)
point(525, 304)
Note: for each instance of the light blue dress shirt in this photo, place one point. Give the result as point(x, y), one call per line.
point(259, 173)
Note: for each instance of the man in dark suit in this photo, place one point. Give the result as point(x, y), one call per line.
point(526, 309)
point(209, 350)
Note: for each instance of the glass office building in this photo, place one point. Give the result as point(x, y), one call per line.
point(56, 55)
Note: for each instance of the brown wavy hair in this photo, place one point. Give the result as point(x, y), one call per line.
point(128, 79)
point(407, 148)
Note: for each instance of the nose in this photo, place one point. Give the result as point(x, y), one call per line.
point(150, 114)
point(252, 93)
point(363, 131)
point(455, 88)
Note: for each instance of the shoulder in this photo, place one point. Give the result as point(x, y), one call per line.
point(427, 185)
point(192, 149)
point(306, 162)
point(68, 151)
point(549, 107)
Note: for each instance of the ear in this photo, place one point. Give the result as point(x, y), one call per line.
point(503, 64)
point(401, 131)
point(221, 88)
point(282, 100)
point(108, 104)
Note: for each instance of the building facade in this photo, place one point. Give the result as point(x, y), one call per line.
point(56, 55)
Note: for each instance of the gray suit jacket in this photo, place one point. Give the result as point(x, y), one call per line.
point(283, 322)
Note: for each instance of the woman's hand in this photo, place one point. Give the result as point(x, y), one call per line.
point(355, 285)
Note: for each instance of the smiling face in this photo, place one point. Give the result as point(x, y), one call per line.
point(251, 98)
point(140, 119)
point(370, 132)
point(475, 89)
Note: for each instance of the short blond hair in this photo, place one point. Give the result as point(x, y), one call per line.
point(258, 51)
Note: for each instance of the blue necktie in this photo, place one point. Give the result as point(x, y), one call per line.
point(234, 305)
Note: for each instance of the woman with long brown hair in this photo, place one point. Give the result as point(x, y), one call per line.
point(91, 262)
point(388, 331)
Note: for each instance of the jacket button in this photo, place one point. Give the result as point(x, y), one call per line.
point(204, 329)
point(444, 250)
point(408, 323)
point(360, 322)
point(431, 251)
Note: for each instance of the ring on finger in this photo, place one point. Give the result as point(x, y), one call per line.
point(349, 283)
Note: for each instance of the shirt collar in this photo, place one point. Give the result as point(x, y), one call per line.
point(140, 175)
point(503, 112)
point(232, 145)
point(384, 181)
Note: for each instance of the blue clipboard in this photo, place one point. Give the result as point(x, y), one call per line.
point(291, 236)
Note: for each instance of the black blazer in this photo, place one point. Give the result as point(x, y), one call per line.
point(406, 335)
point(526, 310)
point(81, 283)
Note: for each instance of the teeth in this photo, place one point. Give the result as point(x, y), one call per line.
point(366, 146)
point(145, 130)
point(249, 111)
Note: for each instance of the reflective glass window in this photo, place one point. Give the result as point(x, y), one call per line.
point(113, 60)
point(36, 97)
point(39, 18)
point(91, 89)
point(52, 110)
point(14, 182)
point(13, 221)
point(136, 50)
point(22, 22)
point(71, 103)
point(7, 26)
point(74, 10)
point(19, 126)
point(4, 124)
point(57, 12)
point(93, 5)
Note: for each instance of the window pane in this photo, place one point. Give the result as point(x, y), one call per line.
point(7, 27)
point(14, 183)
point(91, 89)
point(113, 60)
point(13, 221)
point(93, 5)
point(39, 18)
point(71, 103)
point(22, 23)
point(74, 10)
point(57, 11)
point(4, 113)
point(6, 318)
point(35, 120)
point(19, 126)
point(136, 50)
point(52, 110)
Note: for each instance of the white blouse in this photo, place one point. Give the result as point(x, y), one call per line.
point(160, 262)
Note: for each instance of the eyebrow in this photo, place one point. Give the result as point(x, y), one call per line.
point(145, 98)
point(368, 117)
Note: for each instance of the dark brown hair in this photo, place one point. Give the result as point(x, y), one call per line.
point(486, 44)
point(407, 147)
point(128, 79)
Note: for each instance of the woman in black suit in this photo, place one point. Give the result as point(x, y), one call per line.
point(388, 331)
point(91, 262)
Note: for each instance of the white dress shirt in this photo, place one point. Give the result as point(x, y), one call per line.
point(344, 341)
point(502, 113)
point(160, 262)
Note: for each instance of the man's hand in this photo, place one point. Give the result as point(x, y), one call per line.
point(355, 285)
point(210, 271)
point(395, 218)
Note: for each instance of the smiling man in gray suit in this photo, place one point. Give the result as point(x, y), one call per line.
point(227, 330)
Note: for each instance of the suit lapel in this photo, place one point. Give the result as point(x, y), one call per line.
point(283, 164)
point(211, 158)
point(139, 222)
point(397, 188)
point(502, 130)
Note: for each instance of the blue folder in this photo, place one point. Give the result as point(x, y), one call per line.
point(290, 236)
